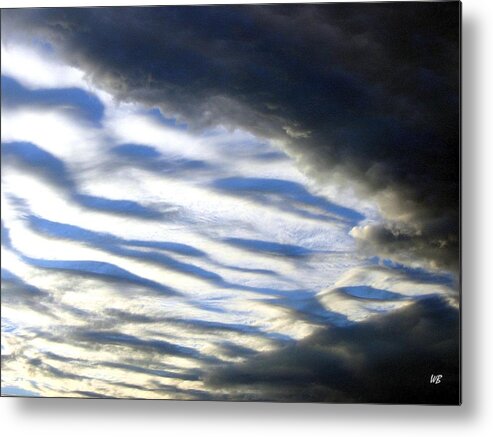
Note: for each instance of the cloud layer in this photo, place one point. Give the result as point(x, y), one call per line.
point(235, 202)
point(365, 93)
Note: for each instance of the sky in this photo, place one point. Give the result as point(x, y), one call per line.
point(246, 203)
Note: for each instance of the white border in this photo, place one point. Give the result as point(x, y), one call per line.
point(127, 418)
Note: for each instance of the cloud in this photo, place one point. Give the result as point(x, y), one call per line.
point(21, 61)
point(76, 102)
point(35, 160)
point(287, 196)
point(180, 219)
point(365, 95)
point(386, 359)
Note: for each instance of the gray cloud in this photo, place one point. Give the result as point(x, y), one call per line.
point(360, 96)
point(365, 95)
point(386, 359)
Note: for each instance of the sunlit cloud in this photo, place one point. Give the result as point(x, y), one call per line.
point(201, 244)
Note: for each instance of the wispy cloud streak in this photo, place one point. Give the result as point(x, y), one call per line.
point(241, 225)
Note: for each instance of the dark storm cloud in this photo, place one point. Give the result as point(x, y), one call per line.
point(387, 359)
point(365, 94)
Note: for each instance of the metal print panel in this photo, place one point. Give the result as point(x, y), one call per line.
point(232, 203)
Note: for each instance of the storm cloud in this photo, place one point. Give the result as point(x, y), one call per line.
point(346, 364)
point(364, 95)
point(252, 202)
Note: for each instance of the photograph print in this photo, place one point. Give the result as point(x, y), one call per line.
point(232, 202)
